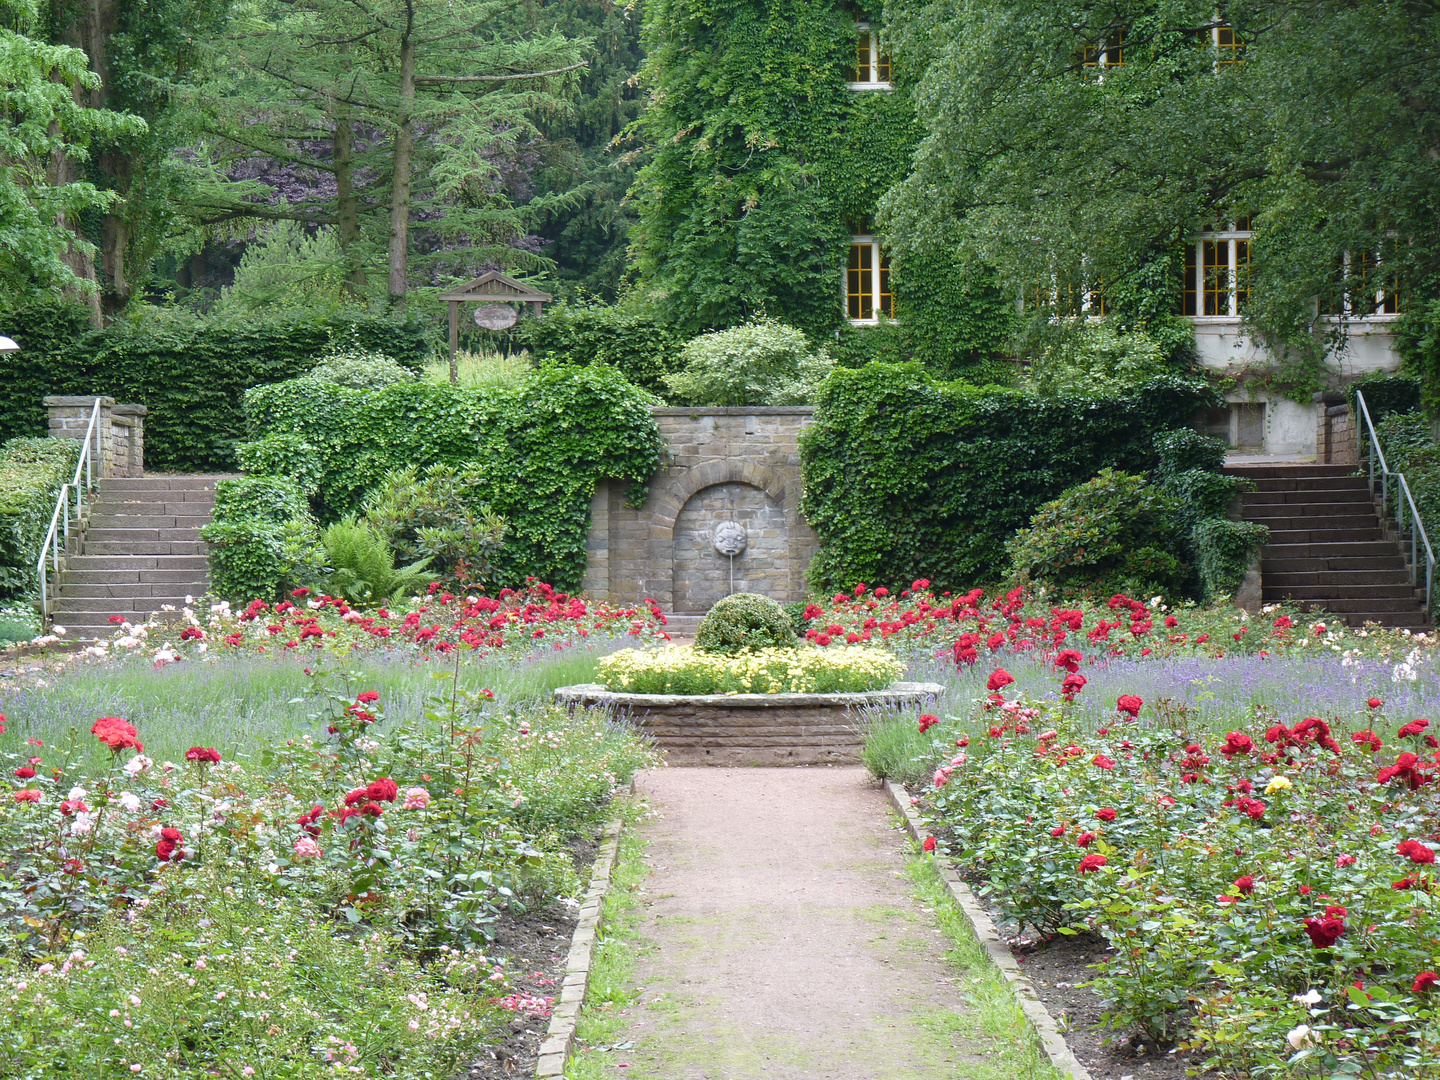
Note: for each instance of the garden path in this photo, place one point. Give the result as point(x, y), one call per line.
point(781, 939)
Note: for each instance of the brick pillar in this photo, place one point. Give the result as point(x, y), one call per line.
point(69, 419)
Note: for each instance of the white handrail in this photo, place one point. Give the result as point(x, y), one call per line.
point(1417, 531)
point(60, 519)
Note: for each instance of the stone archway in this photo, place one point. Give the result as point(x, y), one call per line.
point(701, 574)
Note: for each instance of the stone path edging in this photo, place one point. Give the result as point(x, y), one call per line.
point(985, 932)
point(559, 1038)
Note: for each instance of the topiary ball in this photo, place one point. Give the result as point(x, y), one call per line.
point(744, 621)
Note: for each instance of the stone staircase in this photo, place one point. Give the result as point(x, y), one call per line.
point(1328, 550)
point(141, 550)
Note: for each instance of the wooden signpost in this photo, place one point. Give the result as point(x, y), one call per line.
point(495, 293)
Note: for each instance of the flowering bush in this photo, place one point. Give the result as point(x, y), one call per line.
point(534, 618)
point(1255, 882)
point(328, 903)
point(683, 670)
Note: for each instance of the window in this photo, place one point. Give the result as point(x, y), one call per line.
point(1365, 289)
point(872, 67)
point(1108, 53)
point(867, 282)
point(1217, 271)
point(1230, 48)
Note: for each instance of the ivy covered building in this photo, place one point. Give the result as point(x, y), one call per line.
point(791, 155)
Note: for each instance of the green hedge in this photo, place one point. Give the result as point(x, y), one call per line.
point(1385, 395)
point(262, 538)
point(629, 338)
point(535, 451)
point(31, 473)
point(907, 477)
point(190, 371)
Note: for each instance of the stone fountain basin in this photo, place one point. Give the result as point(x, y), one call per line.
point(754, 729)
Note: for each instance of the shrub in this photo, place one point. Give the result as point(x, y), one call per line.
point(1113, 533)
point(531, 454)
point(191, 371)
point(744, 621)
point(18, 623)
point(845, 669)
point(760, 363)
point(1185, 449)
point(262, 539)
point(907, 477)
point(439, 520)
point(1417, 340)
point(1385, 395)
point(361, 368)
point(629, 338)
point(1096, 360)
point(361, 568)
point(31, 474)
point(1223, 549)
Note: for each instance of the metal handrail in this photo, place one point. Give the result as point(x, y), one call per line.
point(1417, 531)
point(60, 519)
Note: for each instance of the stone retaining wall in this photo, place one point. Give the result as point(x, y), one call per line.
point(721, 465)
point(754, 729)
point(119, 447)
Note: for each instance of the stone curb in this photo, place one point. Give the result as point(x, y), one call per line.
point(901, 693)
point(559, 1039)
point(1047, 1031)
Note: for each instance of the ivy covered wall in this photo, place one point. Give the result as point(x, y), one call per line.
point(762, 159)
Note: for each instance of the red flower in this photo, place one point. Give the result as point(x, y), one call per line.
point(998, 678)
point(1105, 814)
point(963, 741)
point(371, 809)
point(192, 633)
point(1375, 703)
point(1324, 932)
point(1423, 982)
point(1367, 738)
point(74, 806)
point(1059, 830)
point(155, 804)
point(1245, 885)
point(1091, 863)
point(1084, 839)
point(882, 591)
point(1069, 660)
point(1416, 851)
point(173, 835)
point(359, 795)
point(1129, 703)
point(1237, 742)
point(28, 795)
point(1100, 761)
point(116, 733)
point(24, 772)
point(165, 850)
point(1415, 727)
point(367, 696)
point(117, 619)
point(929, 844)
point(203, 753)
point(927, 721)
point(382, 790)
point(1071, 685)
point(1171, 622)
point(1407, 767)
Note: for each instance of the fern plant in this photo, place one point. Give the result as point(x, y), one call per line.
point(362, 567)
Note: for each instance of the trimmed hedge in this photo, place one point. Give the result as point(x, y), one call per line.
point(189, 370)
point(262, 538)
point(31, 474)
point(533, 453)
point(907, 477)
point(1385, 395)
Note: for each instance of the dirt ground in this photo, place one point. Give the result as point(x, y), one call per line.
point(783, 939)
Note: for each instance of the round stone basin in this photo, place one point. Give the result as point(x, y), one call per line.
point(754, 729)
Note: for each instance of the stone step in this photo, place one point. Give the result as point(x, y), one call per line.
point(1406, 603)
point(113, 605)
point(1324, 517)
point(139, 536)
point(132, 590)
point(200, 511)
point(1324, 537)
point(149, 521)
point(138, 562)
point(1270, 484)
point(1326, 578)
point(145, 547)
point(1297, 471)
point(1414, 621)
point(1358, 550)
point(168, 496)
point(182, 577)
point(164, 482)
point(1322, 564)
point(1306, 497)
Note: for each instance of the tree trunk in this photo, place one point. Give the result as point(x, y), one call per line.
point(347, 205)
point(61, 172)
point(400, 185)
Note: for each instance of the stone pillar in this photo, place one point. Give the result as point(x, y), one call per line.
point(127, 453)
point(118, 448)
point(1335, 442)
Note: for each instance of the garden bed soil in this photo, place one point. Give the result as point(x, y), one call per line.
point(535, 946)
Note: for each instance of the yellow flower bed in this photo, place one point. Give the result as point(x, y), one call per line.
point(679, 669)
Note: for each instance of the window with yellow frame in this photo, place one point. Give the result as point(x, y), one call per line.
point(872, 63)
point(868, 296)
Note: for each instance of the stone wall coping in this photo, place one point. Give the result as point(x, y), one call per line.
point(66, 402)
point(596, 694)
point(753, 410)
point(130, 410)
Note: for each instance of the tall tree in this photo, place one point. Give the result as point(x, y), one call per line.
point(1082, 142)
point(46, 129)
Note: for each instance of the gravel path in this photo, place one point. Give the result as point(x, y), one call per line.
point(781, 939)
